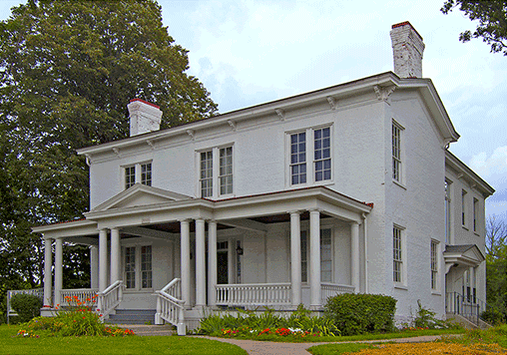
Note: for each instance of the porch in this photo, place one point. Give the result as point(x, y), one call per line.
point(277, 250)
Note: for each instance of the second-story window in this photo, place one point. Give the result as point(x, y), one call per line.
point(139, 172)
point(206, 176)
point(476, 214)
point(225, 174)
point(146, 174)
point(313, 142)
point(396, 151)
point(463, 207)
point(130, 176)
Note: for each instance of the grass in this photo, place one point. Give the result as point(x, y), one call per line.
point(12, 344)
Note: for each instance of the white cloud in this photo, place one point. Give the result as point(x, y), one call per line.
point(494, 166)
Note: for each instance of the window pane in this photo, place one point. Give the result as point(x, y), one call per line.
point(298, 158)
point(225, 178)
point(322, 154)
point(206, 174)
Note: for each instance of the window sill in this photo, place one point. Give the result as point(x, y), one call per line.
point(464, 227)
point(436, 293)
point(477, 233)
point(400, 184)
point(400, 287)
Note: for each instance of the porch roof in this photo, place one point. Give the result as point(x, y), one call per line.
point(465, 255)
point(145, 205)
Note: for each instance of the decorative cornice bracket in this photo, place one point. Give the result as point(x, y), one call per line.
point(232, 124)
point(280, 113)
point(151, 144)
point(332, 102)
point(191, 133)
point(116, 151)
point(384, 93)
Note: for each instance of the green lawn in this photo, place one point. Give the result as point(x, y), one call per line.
point(12, 344)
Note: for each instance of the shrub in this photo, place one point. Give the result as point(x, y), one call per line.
point(361, 313)
point(26, 306)
point(425, 318)
point(492, 316)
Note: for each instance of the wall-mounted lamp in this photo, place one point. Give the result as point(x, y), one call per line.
point(239, 250)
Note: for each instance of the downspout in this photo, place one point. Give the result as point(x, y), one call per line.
point(365, 231)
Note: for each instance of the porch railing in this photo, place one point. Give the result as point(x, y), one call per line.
point(81, 294)
point(468, 307)
point(253, 294)
point(110, 298)
point(170, 306)
point(39, 292)
point(330, 290)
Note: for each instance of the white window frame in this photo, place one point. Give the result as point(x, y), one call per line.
point(206, 182)
point(138, 267)
point(138, 174)
point(397, 152)
point(310, 161)
point(216, 175)
point(435, 265)
point(399, 252)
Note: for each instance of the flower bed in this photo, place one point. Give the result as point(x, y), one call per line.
point(78, 319)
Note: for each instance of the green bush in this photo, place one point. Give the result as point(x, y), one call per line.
point(26, 306)
point(493, 317)
point(361, 313)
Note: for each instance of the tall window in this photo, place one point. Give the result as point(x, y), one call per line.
point(476, 215)
point(298, 158)
point(225, 174)
point(434, 264)
point(146, 174)
point(447, 212)
point(146, 272)
point(138, 267)
point(396, 151)
point(130, 267)
point(397, 255)
point(463, 207)
point(206, 174)
point(322, 159)
point(130, 176)
point(326, 256)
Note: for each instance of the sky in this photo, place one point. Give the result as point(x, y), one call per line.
point(248, 52)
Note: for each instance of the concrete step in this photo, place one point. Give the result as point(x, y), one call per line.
point(132, 316)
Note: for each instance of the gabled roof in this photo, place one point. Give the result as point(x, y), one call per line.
point(140, 195)
point(463, 255)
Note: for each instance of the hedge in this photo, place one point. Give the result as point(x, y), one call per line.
point(26, 306)
point(361, 313)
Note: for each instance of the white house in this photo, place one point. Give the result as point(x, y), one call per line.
point(349, 188)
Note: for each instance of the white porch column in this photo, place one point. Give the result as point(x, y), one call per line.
point(200, 263)
point(295, 256)
point(185, 261)
point(48, 279)
point(103, 260)
point(212, 262)
point(354, 255)
point(115, 255)
point(315, 288)
point(58, 270)
point(94, 266)
point(472, 282)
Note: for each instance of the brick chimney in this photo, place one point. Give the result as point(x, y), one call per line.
point(144, 117)
point(408, 48)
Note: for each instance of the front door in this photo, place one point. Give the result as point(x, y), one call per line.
point(222, 267)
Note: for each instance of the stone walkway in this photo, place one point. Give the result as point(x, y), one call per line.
point(254, 347)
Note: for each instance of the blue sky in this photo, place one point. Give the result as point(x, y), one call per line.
point(248, 52)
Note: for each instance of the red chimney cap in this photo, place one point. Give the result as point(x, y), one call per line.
point(404, 24)
point(146, 102)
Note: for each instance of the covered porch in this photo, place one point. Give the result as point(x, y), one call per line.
point(152, 248)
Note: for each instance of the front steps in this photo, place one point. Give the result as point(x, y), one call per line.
point(132, 316)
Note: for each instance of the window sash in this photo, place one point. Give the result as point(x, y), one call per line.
point(206, 174)
point(146, 174)
point(225, 171)
point(130, 176)
point(463, 207)
point(434, 265)
point(397, 255)
point(326, 255)
point(146, 267)
point(130, 267)
point(322, 154)
point(298, 158)
point(396, 152)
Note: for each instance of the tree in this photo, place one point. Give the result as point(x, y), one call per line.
point(492, 18)
point(67, 72)
point(496, 264)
